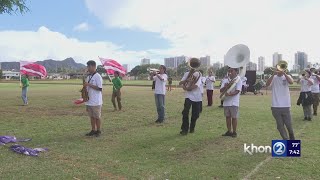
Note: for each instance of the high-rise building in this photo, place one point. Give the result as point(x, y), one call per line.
point(261, 63)
point(301, 59)
point(180, 60)
point(205, 61)
point(251, 66)
point(296, 68)
point(145, 61)
point(276, 58)
point(174, 62)
point(126, 67)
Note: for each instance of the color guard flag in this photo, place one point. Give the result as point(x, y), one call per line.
point(32, 69)
point(112, 65)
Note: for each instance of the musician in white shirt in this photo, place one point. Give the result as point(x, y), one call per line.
point(193, 99)
point(231, 102)
point(305, 97)
point(210, 80)
point(315, 91)
point(281, 102)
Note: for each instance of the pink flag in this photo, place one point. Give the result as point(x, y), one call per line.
point(32, 69)
point(112, 65)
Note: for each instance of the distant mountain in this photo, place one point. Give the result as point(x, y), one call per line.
point(67, 65)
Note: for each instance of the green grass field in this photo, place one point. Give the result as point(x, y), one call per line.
point(133, 147)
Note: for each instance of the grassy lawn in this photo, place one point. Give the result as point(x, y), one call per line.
point(133, 147)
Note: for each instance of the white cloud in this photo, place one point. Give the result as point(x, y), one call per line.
point(200, 27)
point(46, 44)
point(82, 27)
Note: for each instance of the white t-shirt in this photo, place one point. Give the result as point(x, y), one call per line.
point(209, 83)
point(194, 95)
point(160, 87)
point(280, 92)
point(315, 86)
point(232, 100)
point(244, 80)
point(203, 81)
point(304, 85)
point(95, 96)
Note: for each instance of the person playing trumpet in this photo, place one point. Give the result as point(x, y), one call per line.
point(160, 80)
point(315, 90)
point(231, 102)
point(305, 97)
point(281, 102)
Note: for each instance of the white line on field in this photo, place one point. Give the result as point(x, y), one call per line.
point(256, 169)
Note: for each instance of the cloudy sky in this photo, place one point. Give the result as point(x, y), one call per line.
point(129, 30)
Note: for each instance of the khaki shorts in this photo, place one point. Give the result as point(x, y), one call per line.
point(94, 111)
point(231, 111)
point(315, 99)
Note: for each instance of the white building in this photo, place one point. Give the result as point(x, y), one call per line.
point(10, 74)
point(251, 66)
point(276, 58)
point(261, 63)
point(174, 62)
point(205, 61)
point(301, 59)
point(145, 61)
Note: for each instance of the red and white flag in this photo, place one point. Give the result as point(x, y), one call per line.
point(32, 69)
point(112, 65)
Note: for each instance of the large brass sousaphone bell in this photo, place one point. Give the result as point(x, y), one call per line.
point(237, 57)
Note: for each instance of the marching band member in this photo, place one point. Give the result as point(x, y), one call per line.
point(281, 102)
point(210, 80)
point(159, 92)
point(203, 81)
point(305, 97)
point(231, 103)
point(94, 86)
point(244, 85)
point(169, 83)
point(116, 93)
point(193, 99)
point(315, 90)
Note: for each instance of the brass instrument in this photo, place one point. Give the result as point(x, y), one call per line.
point(282, 66)
point(84, 91)
point(237, 57)
point(194, 64)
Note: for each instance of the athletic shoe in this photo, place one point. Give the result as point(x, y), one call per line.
point(183, 133)
point(227, 134)
point(98, 133)
point(234, 134)
point(305, 118)
point(91, 133)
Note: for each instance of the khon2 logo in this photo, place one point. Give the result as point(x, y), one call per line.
point(279, 148)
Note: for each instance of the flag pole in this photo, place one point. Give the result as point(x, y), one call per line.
point(20, 76)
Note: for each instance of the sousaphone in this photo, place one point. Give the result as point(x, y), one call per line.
point(237, 57)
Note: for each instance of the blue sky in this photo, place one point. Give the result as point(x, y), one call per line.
point(129, 30)
point(62, 16)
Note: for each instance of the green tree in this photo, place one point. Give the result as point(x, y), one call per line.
point(0, 74)
point(220, 73)
point(182, 68)
point(100, 69)
point(268, 71)
point(10, 6)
